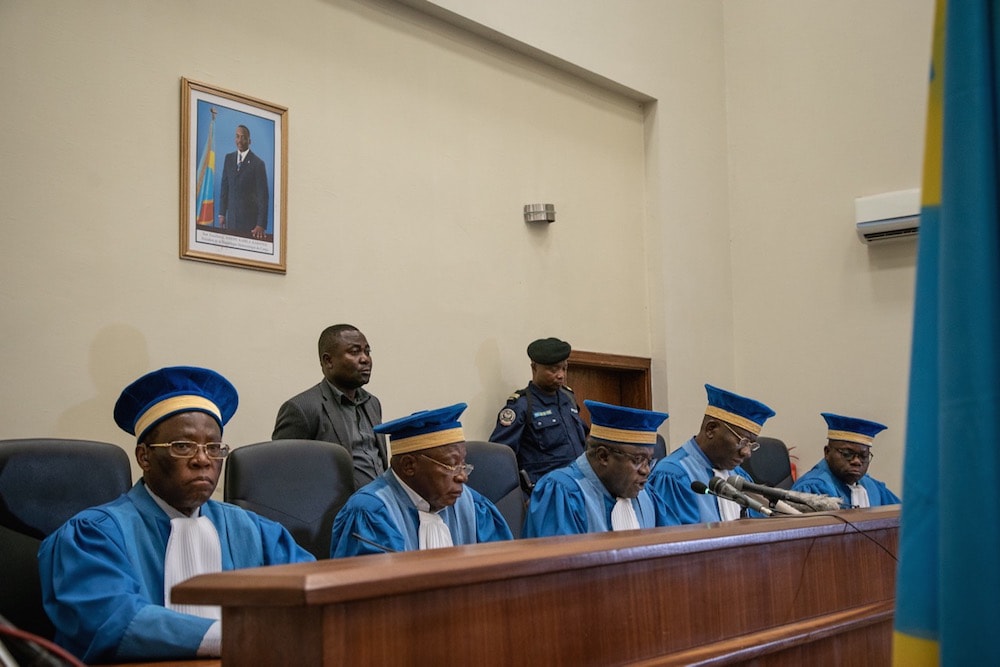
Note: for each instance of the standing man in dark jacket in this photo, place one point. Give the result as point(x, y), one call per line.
point(244, 198)
point(541, 422)
point(338, 409)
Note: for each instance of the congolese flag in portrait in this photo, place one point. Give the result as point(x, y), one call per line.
point(205, 184)
point(948, 583)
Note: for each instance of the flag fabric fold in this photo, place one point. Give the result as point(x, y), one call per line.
point(948, 579)
point(205, 184)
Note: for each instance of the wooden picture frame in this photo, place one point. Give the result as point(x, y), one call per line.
point(233, 210)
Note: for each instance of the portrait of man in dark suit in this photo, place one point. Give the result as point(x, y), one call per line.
point(243, 198)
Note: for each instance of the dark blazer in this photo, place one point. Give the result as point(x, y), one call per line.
point(312, 415)
point(244, 195)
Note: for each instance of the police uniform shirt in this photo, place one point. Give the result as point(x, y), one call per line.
point(544, 430)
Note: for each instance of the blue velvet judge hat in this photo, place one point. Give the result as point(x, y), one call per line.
point(737, 410)
point(169, 391)
point(852, 429)
point(628, 426)
point(425, 429)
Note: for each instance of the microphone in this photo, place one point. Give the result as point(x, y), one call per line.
point(700, 488)
point(719, 487)
point(813, 501)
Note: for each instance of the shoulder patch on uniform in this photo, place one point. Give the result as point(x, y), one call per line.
point(506, 417)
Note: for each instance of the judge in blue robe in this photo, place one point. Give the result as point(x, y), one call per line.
point(102, 575)
point(421, 501)
point(106, 574)
point(843, 471)
point(727, 437)
point(604, 488)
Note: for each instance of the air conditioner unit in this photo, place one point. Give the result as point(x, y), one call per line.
point(888, 216)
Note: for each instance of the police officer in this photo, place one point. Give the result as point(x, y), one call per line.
point(541, 422)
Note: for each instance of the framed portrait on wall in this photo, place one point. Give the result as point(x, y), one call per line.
point(234, 178)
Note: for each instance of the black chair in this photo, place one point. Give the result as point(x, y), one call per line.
point(496, 477)
point(660, 448)
point(44, 482)
point(301, 484)
point(770, 464)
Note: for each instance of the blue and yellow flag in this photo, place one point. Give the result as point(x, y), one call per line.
point(948, 580)
point(205, 184)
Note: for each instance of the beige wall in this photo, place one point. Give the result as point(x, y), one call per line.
point(413, 148)
point(771, 116)
point(711, 229)
point(826, 102)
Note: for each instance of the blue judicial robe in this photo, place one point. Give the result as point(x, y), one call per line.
point(382, 515)
point(821, 480)
point(671, 480)
point(102, 576)
point(573, 501)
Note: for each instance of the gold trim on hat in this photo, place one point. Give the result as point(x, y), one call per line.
point(622, 435)
point(734, 419)
point(848, 436)
point(416, 443)
point(169, 406)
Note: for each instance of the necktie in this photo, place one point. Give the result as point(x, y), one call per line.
point(433, 533)
point(192, 548)
point(239, 161)
point(623, 515)
point(728, 510)
point(859, 495)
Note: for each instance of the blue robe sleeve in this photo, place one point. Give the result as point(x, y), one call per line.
point(888, 497)
point(490, 524)
point(366, 518)
point(663, 513)
point(673, 488)
point(101, 606)
point(557, 507)
point(280, 548)
point(878, 492)
point(815, 484)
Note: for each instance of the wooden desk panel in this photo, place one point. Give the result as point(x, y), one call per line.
point(779, 591)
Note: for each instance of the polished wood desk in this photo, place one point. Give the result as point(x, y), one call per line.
point(788, 591)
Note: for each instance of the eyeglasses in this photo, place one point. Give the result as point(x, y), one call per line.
point(638, 460)
point(744, 441)
point(185, 449)
point(461, 469)
point(849, 455)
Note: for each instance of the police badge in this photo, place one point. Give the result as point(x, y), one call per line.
point(506, 417)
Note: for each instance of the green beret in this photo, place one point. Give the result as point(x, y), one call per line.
point(548, 351)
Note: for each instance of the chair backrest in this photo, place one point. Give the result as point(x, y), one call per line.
point(44, 482)
point(301, 484)
point(496, 477)
point(660, 448)
point(770, 464)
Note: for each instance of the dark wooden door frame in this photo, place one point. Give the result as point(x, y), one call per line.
point(612, 378)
